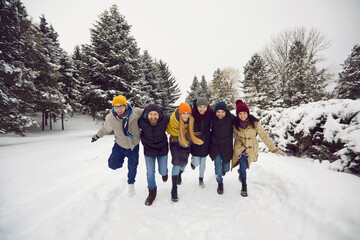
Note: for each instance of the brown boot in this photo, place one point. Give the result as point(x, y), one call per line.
point(152, 195)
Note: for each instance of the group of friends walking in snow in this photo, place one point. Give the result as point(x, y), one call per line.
point(199, 131)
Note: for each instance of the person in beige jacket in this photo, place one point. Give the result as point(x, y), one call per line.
point(123, 120)
point(246, 146)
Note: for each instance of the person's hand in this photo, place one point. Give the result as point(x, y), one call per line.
point(280, 153)
point(94, 138)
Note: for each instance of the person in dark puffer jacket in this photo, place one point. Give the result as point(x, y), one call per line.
point(153, 124)
point(221, 149)
point(202, 115)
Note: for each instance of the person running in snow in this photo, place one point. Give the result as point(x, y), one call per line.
point(123, 120)
point(181, 130)
point(153, 125)
point(202, 115)
point(221, 149)
point(246, 146)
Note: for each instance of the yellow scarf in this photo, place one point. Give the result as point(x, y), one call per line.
point(173, 125)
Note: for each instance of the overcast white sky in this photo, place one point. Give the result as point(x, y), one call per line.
point(195, 37)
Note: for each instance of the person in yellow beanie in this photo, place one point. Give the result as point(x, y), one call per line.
point(123, 120)
point(181, 130)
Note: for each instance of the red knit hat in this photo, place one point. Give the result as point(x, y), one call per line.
point(184, 107)
point(241, 107)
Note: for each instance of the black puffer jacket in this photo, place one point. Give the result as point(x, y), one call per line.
point(202, 126)
point(179, 154)
point(154, 138)
point(222, 136)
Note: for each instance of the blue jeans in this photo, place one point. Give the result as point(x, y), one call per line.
point(150, 169)
point(220, 166)
point(243, 165)
point(176, 170)
point(116, 160)
point(196, 161)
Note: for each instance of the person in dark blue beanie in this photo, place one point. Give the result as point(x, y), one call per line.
point(221, 149)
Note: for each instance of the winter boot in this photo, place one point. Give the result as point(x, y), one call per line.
point(220, 188)
point(179, 178)
point(165, 178)
point(131, 191)
point(152, 195)
point(201, 183)
point(174, 195)
point(243, 188)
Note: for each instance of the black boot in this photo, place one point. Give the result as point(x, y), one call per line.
point(192, 166)
point(152, 195)
point(243, 188)
point(165, 178)
point(174, 195)
point(201, 183)
point(220, 188)
point(179, 178)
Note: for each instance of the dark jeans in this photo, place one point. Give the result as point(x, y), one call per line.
point(243, 165)
point(116, 160)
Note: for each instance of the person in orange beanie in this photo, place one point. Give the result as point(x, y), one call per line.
point(181, 130)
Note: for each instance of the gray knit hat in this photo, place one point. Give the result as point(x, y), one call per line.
point(202, 101)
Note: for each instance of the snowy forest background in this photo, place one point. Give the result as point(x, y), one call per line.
point(307, 109)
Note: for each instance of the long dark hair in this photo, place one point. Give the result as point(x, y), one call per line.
point(251, 118)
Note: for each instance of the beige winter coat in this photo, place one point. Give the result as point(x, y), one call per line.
point(246, 140)
point(116, 125)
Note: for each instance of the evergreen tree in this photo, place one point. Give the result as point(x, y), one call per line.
point(171, 87)
point(69, 85)
point(216, 88)
point(349, 78)
point(194, 91)
point(17, 57)
point(204, 89)
point(111, 63)
point(255, 82)
point(81, 86)
point(47, 82)
point(303, 82)
point(150, 84)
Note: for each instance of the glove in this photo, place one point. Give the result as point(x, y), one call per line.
point(280, 153)
point(94, 138)
point(243, 154)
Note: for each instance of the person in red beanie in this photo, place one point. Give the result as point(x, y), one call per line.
point(181, 130)
point(246, 146)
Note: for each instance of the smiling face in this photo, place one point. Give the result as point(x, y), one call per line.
point(243, 116)
point(153, 117)
point(119, 108)
point(220, 114)
point(185, 116)
point(202, 109)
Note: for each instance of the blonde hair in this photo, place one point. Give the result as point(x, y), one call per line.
point(190, 133)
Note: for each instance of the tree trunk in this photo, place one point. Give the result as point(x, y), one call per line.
point(50, 121)
point(43, 120)
point(62, 121)
point(46, 117)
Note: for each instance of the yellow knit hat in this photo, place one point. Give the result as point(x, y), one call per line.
point(119, 100)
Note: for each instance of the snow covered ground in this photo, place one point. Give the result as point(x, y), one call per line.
point(56, 185)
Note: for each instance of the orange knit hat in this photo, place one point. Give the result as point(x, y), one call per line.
point(119, 100)
point(184, 107)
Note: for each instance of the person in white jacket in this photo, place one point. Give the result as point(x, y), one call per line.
point(123, 120)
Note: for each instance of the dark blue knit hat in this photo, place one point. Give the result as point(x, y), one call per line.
point(220, 106)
